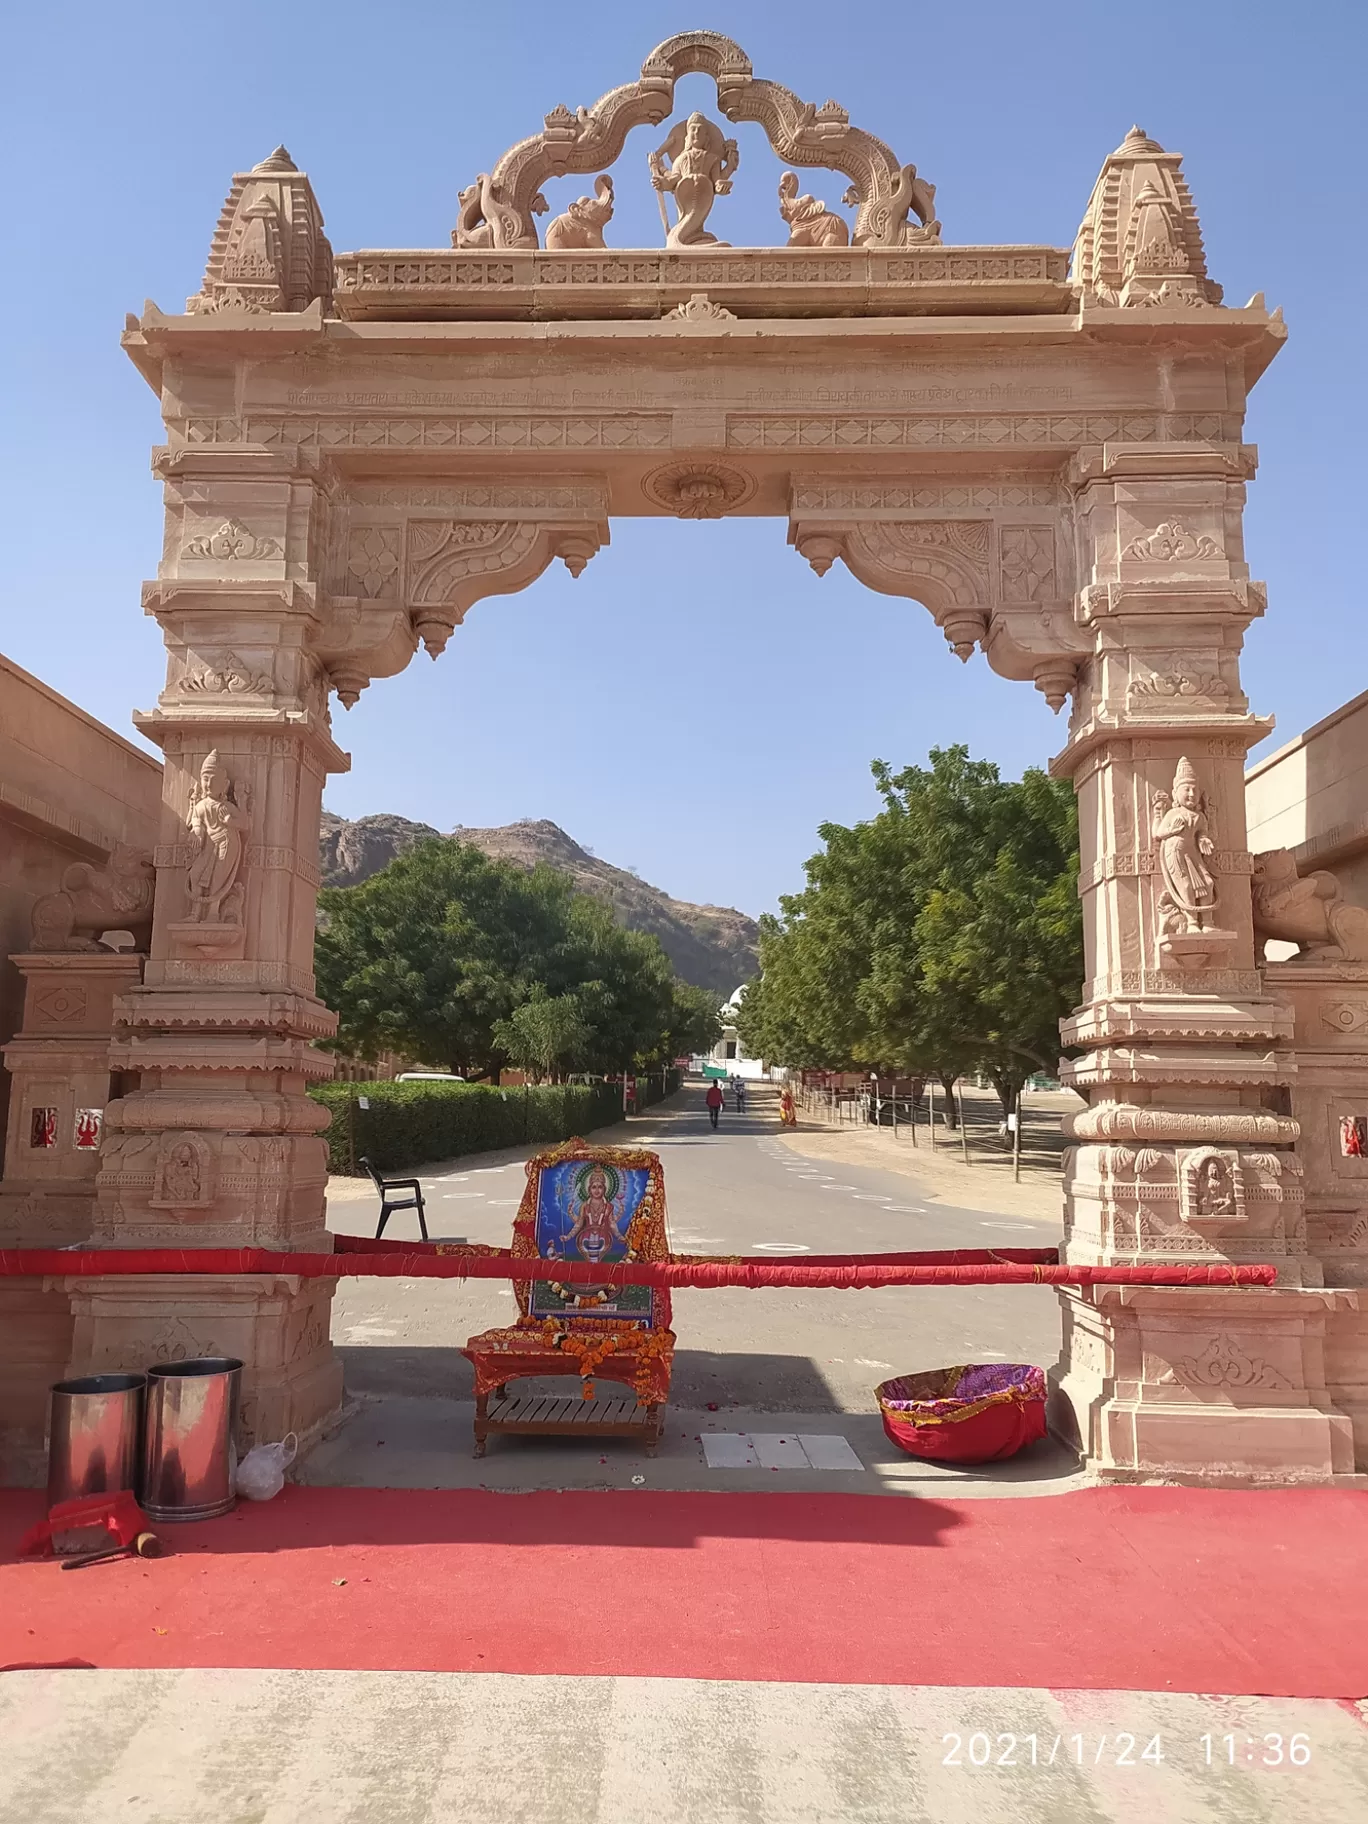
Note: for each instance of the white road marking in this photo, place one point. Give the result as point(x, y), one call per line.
point(869, 1197)
point(782, 1247)
point(1009, 1228)
point(452, 1196)
point(503, 1203)
point(863, 1361)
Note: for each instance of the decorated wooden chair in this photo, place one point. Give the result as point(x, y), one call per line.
point(582, 1203)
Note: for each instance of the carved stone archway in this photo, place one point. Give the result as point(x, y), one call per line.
point(1052, 462)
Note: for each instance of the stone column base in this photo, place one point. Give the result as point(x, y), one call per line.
point(35, 1345)
point(1202, 1386)
point(275, 1324)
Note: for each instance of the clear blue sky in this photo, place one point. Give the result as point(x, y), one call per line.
point(754, 694)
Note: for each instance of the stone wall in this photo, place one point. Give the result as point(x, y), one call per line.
point(70, 791)
point(1312, 797)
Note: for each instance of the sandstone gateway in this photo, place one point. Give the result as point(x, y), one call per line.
point(1043, 448)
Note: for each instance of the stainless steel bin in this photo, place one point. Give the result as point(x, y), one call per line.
point(188, 1453)
point(95, 1435)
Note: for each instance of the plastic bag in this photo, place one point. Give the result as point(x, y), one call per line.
point(261, 1473)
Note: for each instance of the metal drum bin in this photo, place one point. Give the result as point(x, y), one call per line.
point(95, 1435)
point(188, 1452)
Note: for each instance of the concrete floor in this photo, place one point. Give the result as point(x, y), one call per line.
point(762, 1359)
point(271, 1747)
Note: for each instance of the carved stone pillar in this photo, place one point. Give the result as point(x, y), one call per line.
point(219, 1146)
point(1186, 1151)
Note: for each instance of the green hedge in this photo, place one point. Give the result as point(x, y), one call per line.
point(411, 1124)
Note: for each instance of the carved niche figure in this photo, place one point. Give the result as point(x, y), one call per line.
point(1210, 1186)
point(1309, 910)
point(219, 827)
point(181, 1179)
point(811, 224)
point(701, 166)
point(93, 900)
point(1180, 829)
point(485, 220)
point(583, 223)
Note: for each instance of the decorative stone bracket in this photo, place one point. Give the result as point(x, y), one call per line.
point(410, 563)
point(1000, 582)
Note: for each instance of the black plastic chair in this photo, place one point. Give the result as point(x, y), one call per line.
point(389, 1203)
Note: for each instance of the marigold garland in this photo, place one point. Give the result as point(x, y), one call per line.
point(591, 1350)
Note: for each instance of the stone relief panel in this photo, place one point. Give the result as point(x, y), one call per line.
point(183, 1174)
point(1227, 1364)
point(1026, 563)
point(373, 559)
point(1172, 543)
point(223, 674)
point(1211, 1186)
point(230, 542)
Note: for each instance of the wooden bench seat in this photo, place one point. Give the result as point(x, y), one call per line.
point(531, 1415)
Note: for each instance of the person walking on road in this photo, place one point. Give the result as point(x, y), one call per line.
point(715, 1101)
point(739, 1089)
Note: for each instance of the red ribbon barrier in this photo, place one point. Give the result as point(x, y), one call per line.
point(457, 1264)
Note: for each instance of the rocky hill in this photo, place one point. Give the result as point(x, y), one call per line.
point(710, 946)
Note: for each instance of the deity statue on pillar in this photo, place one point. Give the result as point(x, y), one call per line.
point(219, 826)
point(1180, 830)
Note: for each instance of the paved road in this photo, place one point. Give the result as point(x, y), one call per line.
point(271, 1747)
point(741, 1190)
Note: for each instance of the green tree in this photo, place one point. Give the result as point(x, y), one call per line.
point(695, 1023)
point(434, 956)
point(544, 1035)
point(942, 935)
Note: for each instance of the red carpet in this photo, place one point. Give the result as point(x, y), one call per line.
point(1121, 1588)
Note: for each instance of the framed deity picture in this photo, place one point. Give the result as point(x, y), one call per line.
point(584, 1210)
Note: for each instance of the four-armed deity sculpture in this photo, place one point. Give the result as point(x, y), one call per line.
point(701, 166)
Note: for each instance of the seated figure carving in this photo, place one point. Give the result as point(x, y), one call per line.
point(1306, 909)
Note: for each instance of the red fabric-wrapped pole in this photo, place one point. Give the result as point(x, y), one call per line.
point(85, 1263)
point(927, 1257)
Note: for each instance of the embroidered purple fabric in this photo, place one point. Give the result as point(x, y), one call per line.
point(979, 1381)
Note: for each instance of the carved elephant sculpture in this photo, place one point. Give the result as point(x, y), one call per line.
point(91, 900)
point(1306, 909)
